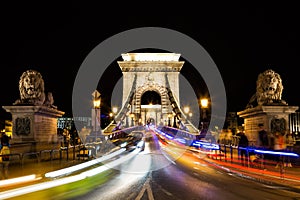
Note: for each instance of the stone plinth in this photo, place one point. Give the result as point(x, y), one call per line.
point(35, 125)
point(274, 118)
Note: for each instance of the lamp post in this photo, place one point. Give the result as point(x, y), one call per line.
point(96, 113)
point(174, 121)
point(190, 115)
point(132, 119)
point(204, 106)
point(126, 120)
point(169, 119)
point(186, 110)
point(115, 110)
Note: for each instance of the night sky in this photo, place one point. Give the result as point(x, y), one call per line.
point(243, 41)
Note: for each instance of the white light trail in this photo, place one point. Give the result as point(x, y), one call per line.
point(39, 186)
point(22, 179)
point(74, 168)
point(66, 180)
point(110, 165)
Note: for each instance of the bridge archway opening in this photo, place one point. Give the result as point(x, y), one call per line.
point(150, 107)
point(151, 98)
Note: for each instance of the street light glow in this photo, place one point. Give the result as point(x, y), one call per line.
point(186, 109)
point(97, 103)
point(97, 99)
point(204, 103)
point(115, 110)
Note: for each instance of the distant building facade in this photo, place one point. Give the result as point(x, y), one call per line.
point(68, 122)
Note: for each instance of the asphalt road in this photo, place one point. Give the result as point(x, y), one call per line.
point(165, 172)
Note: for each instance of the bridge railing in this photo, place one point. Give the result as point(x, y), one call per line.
point(250, 156)
point(253, 157)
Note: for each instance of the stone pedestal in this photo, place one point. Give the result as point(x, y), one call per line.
point(34, 126)
point(274, 118)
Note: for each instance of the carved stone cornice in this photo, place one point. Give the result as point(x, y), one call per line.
point(150, 66)
point(34, 109)
point(261, 110)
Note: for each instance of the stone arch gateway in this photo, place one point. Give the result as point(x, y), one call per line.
point(157, 72)
point(155, 111)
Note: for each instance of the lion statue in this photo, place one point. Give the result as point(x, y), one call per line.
point(268, 90)
point(31, 88)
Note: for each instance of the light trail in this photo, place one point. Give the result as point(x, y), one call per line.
point(74, 168)
point(66, 180)
point(22, 179)
point(277, 153)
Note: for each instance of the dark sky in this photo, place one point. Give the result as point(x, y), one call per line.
point(243, 41)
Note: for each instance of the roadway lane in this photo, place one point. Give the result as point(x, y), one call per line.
point(165, 171)
point(193, 178)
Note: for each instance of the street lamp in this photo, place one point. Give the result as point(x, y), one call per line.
point(204, 102)
point(169, 119)
point(174, 121)
point(132, 118)
point(126, 118)
point(96, 112)
point(204, 106)
point(190, 115)
point(115, 110)
point(97, 103)
point(111, 116)
point(186, 110)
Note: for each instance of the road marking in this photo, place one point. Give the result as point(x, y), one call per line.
point(165, 191)
point(149, 191)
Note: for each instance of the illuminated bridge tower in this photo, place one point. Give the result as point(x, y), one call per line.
point(151, 91)
point(151, 74)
